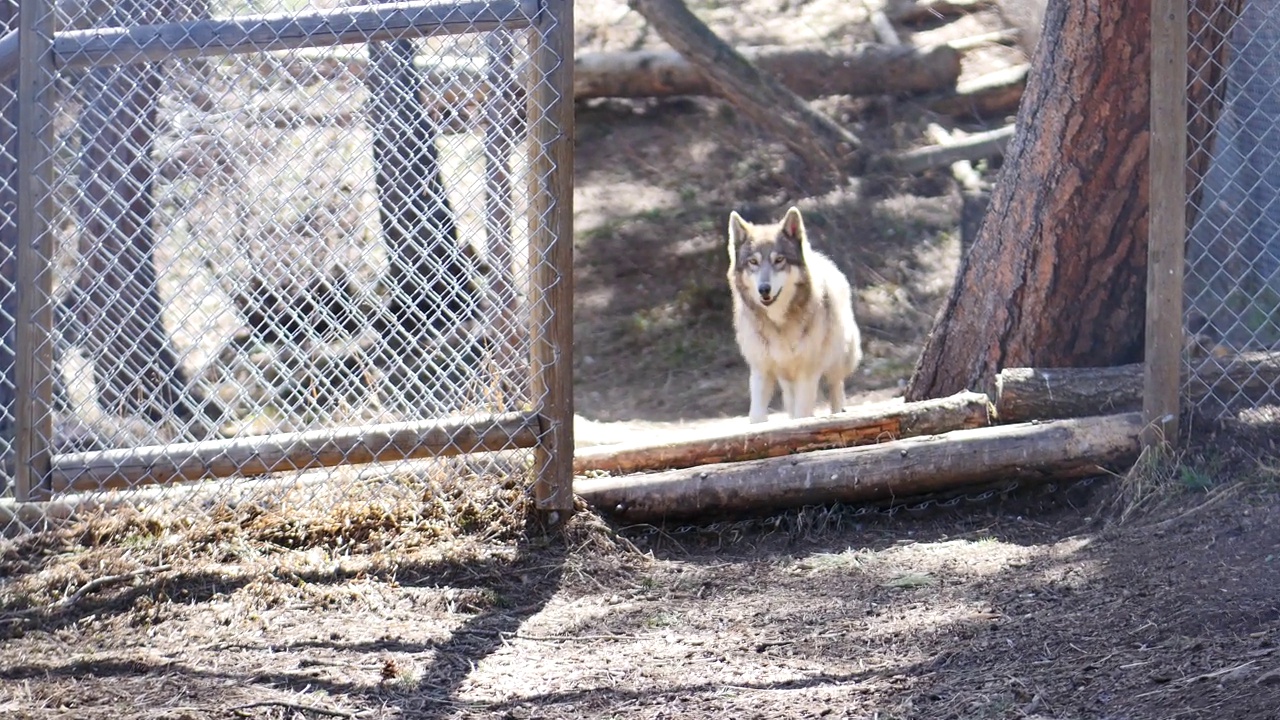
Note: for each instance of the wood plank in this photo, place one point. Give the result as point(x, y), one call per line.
point(282, 452)
point(285, 31)
point(865, 425)
point(1166, 231)
point(550, 116)
point(1030, 452)
point(33, 326)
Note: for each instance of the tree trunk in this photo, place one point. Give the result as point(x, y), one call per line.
point(816, 138)
point(431, 278)
point(1056, 277)
point(115, 298)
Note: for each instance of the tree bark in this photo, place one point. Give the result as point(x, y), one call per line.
point(116, 299)
point(1057, 450)
point(1056, 277)
point(432, 279)
point(816, 138)
point(866, 425)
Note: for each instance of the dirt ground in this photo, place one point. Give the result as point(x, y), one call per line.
point(1151, 596)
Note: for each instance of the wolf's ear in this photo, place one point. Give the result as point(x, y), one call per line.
point(793, 224)
point(737, 233)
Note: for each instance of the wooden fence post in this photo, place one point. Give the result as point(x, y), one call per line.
point(1167, 227)
point(33, 371)
point(550, 113)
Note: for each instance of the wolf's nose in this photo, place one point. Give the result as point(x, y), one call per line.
point(764, 289)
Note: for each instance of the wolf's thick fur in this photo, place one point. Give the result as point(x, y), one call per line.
point(793, 315)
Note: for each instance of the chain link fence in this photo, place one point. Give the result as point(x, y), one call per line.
point(1232, 284)
point(274, 251)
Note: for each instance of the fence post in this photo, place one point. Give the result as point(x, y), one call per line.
point(550, 112)
point(1167, 227)
point(34, 324)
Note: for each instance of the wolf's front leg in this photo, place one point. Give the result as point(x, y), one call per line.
point(805, 393)
point(762, 386)
point(788, 396)
point(835, 390)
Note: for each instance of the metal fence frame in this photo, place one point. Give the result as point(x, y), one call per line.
point(40, 474)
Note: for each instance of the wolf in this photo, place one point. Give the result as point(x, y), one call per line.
point(792, 315)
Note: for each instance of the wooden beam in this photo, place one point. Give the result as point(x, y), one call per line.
point(284, 31)
point(282, 452)
point(33, 326)
point(1166, 231)
point(1058, 450)
point(864, 425)
point(550, 114)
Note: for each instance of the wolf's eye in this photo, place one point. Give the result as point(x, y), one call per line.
point(779, 261)
point(753, 261)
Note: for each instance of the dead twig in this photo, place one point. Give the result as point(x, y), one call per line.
point(91, 586)
point(291, 705)
point(101, 582)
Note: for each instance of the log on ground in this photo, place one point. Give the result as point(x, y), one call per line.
point(1031, 452)
point(866, 425)
point(1023, 394)
point(810, 73)
point(994, 94)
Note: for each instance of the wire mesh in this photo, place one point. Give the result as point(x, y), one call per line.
point(277, 257)
point(1233, 259)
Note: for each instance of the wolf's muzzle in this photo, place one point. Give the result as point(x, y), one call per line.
point(766, 293)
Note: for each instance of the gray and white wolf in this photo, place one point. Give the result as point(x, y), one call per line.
point(793, 316)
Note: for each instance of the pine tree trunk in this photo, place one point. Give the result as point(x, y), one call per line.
point(116, 297)
point(1056, 277)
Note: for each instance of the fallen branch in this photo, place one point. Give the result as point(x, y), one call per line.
point(290, 705)
point(961, 170)
point(996, 93)
point(915, 11)
point(864, 425)
point(99, 583)
point(92, 586)
point(995, 37)
point(884, 29)
point(1058, 450)
point(864, 69)
point(973, 147)
point(975, 194)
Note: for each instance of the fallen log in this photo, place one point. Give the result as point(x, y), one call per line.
point(916, 11)
point(1023, 394)
point(1058, 450)
point(996, 93)
point(810, 73)
point(866, 425)
point(972, 147)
